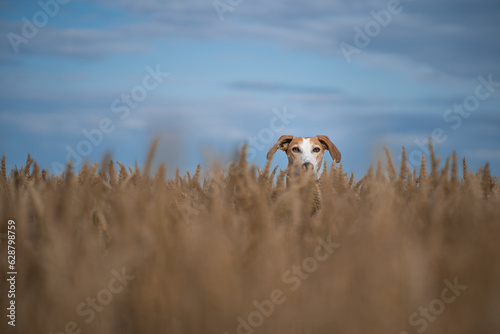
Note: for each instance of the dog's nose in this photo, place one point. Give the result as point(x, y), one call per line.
point(307, 165)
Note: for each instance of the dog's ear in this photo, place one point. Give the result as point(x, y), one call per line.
point(328, 145)
point(281, 144)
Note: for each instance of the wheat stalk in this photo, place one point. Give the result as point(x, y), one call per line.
point(150, 157)
point(403, 169)
point(423, 170)
point(123, 172)
point(464, 169)
point(454, 168)
point(486, 181)
point(4, 169)
point(390, 165)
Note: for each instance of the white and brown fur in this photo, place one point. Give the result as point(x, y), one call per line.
point(307, 153)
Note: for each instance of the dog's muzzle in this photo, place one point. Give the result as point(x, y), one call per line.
point(307, 166)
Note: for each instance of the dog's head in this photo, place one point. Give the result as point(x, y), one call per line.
point(306, 151)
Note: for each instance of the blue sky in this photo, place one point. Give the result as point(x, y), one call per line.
point(411, 70)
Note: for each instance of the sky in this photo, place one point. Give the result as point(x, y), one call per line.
point(80, 79)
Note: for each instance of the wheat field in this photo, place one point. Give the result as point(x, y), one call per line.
point(113, 249)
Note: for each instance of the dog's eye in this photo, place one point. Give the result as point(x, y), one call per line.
point(296, 149)
point(316, 149)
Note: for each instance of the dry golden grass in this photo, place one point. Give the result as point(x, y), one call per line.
point(203, 248)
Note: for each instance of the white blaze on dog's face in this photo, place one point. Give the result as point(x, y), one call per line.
point(306, 151)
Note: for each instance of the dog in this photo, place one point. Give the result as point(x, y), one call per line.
point(306, 151)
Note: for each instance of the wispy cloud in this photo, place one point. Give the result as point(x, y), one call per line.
point(84, 43)
point(274, 87)
point(454, 37)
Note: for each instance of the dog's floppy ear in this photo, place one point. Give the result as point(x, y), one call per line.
point(281, 144)
point(328, 145)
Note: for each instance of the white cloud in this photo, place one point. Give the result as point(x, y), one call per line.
point(43, 123)
point(435, 36)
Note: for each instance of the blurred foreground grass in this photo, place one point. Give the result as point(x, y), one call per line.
point(119, 250)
